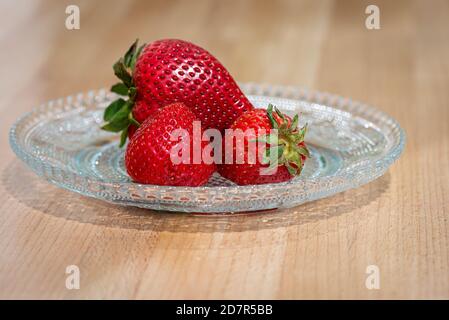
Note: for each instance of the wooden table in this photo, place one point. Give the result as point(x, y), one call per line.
point(399, 222)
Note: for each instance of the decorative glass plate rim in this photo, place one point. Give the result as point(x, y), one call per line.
point(375, 168)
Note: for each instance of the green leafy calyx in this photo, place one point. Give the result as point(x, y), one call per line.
point(286, 146)
point(118, 115)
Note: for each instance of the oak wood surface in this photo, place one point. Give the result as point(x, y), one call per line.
point(399, 222)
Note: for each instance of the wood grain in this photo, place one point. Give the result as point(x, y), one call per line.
point(399, 222)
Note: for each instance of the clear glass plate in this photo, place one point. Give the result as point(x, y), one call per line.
point(350, 143)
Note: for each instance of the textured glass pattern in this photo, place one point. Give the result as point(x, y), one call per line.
point(350, 143)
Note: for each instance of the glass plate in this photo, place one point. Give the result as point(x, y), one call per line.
point(350, 143)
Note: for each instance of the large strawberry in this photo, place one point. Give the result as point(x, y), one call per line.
point(283, 150)
point(148, 156)
point(168, 71)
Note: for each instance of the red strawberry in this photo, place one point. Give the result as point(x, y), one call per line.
point(168, 71)
point(287, 148)
point(148, 159)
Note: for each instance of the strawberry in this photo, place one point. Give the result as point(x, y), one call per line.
point(148, 155)
point(168, 71)
point(284, 151)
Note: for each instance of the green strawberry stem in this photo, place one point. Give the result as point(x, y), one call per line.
point(118, 115)
point(287, 147)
